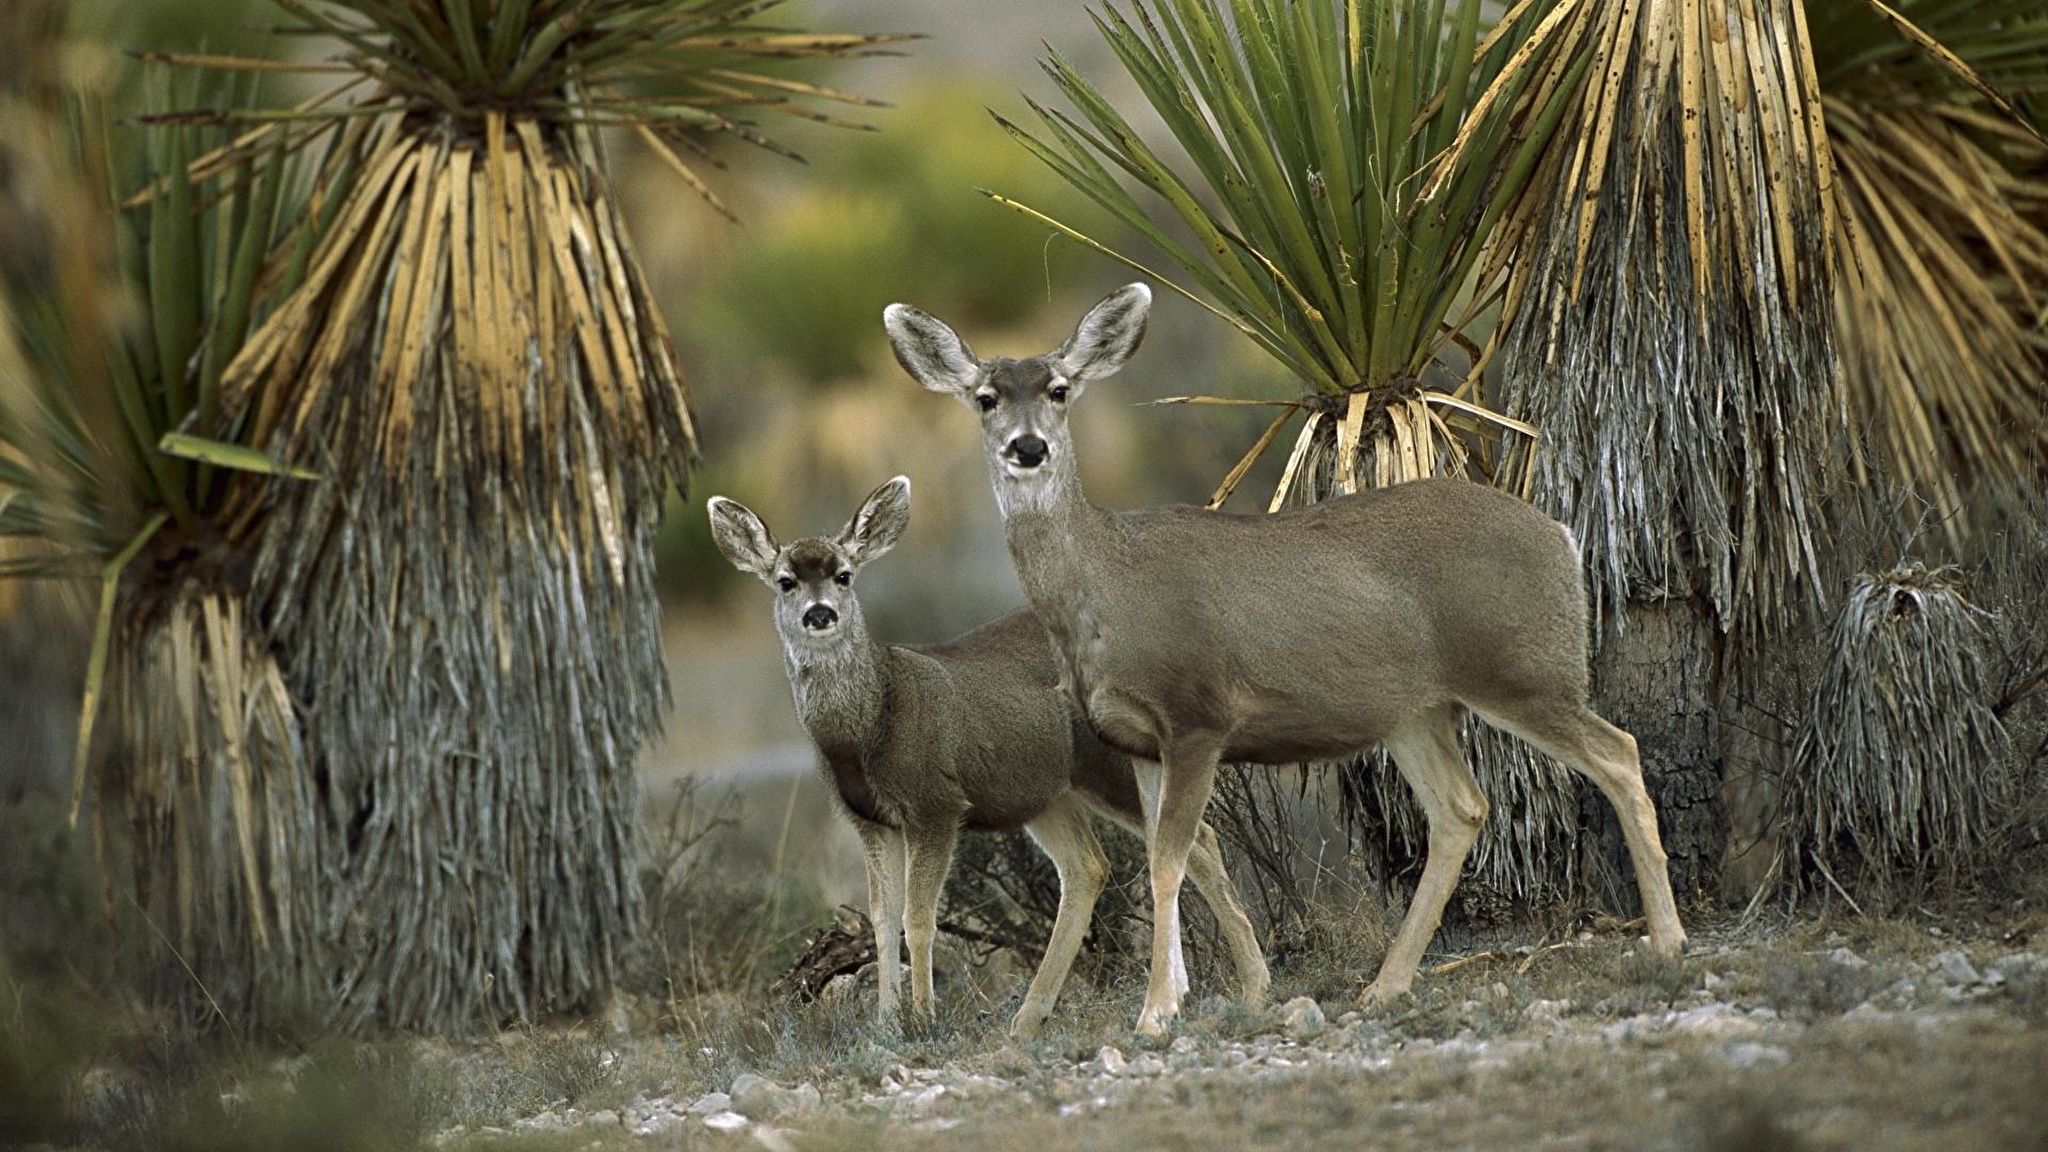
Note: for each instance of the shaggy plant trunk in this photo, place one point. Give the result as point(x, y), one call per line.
point(210, 799)
point(1902, 772)
point(1670, 332)
point(1656, 679)
point(465, 602)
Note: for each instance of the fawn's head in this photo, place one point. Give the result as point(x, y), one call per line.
point(1023, 403)
point(813, 577)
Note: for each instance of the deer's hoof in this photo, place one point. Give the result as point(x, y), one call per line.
point(1665, 950)
point(1155, 1020)
point(1026, 1024)
point(1378, 995)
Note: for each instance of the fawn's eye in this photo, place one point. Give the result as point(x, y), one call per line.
point(1058, 392)
point(987, 402)
point(842, 578)
point(785, 583)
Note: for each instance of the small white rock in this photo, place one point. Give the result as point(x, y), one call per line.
point(1110, 1059)
point(1146, 1065)
point(710, 1102)
point(1303, 1017)
point(1954, 966)
point(922, 1102)
point(726, 1121)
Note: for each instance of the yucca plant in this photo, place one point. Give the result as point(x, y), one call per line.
point(464, 606)
point(1298, 217)
point(124, 324)
point(1298, 221)
point(1902, 771)
point(1668, 323)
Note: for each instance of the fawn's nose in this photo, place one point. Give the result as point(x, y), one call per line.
point(819, 617)
point(1028, 451)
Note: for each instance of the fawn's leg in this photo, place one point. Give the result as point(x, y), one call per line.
point(1063, 833)
point(1205, 868)
point(883, 848)
point(930, 852)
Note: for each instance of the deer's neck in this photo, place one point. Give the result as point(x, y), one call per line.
point(1054, 543)
point(841, 691)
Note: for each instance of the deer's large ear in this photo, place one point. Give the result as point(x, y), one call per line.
point(879, 523)
point(742, 537)
point(1107, 335)
point(931, 352)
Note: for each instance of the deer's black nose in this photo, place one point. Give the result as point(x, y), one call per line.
point(1029, 451)
point(819, 617)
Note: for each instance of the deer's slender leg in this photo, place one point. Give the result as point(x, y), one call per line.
point(1426, 751)
point(930, 852)
point(883, 848)
point(1151, 776)
point(1205, 868)
point(1188, 764)
point(1063, 833)
point(1607, 756)
point(1212, 880)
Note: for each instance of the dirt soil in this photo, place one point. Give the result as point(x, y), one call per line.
point(1844, 1034)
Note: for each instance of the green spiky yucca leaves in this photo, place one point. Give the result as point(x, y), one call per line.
point(1941, 190)
point(1299, 218)
point(673, 72)
point(1296, 215)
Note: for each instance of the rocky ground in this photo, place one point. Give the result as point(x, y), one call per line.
point(1898, 1036)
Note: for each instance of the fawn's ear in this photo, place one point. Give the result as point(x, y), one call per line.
point(879, 523)
point(1107, 335)
point(741, 536)
point(932, 353)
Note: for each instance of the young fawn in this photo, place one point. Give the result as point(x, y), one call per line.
point(1189, 637)
point(923, 741)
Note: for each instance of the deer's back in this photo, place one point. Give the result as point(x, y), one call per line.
point(1317, 630)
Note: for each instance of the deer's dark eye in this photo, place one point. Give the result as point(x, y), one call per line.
point(842, 578)
point(785, 583)
point(1058, 392)
point(987, 402)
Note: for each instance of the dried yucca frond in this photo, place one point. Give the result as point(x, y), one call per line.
point(1667, 318)
point(1942, 189)
point(467, 603)
point(1901, 771)
point(209, 775)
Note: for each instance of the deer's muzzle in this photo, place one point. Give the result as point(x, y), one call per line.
point(1029, 451)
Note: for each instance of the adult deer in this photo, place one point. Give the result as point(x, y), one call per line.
point(1190, 636)
point(920, 742)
